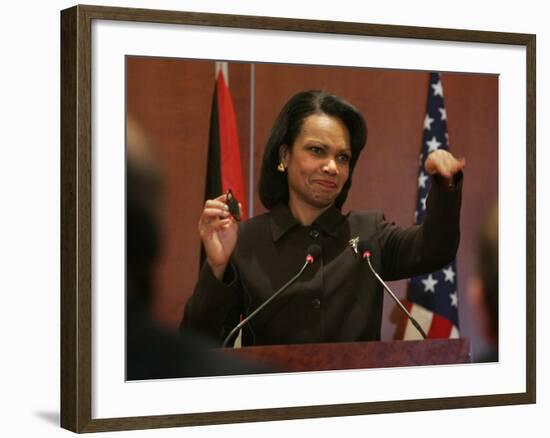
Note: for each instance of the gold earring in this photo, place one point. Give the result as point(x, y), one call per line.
point(281, 167)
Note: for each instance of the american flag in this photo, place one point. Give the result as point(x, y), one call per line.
point(432, 299)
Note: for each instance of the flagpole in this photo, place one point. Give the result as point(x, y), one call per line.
point(251, 154)
point(225, 70)
point(223, 66)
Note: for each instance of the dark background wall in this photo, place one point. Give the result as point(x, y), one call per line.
point(171, 99)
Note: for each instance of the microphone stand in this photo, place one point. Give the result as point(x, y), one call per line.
point(266, 302)
point(403, 308)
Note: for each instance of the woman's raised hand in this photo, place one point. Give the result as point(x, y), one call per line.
point(218, 231)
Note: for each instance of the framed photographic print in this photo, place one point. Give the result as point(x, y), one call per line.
point(140, 83)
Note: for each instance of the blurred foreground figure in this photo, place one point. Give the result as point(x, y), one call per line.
point(152, 352)
point(483, 287)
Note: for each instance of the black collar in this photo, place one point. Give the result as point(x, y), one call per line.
point(282, 221)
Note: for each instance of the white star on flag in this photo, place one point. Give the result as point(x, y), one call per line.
point(423, 201)
point(449, 274)
point(428, 122)
point(422, 178)
point(443, 113)
point(429, 284)
point(433, 144)
point(454, 299)
point(438, 89)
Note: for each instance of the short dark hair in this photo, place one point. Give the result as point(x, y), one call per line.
point(273, 184)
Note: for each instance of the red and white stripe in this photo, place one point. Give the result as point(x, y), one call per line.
point(435, 326)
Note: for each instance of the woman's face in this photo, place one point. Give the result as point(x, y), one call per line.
point(318, 162)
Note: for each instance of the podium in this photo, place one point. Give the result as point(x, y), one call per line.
point(356, 355)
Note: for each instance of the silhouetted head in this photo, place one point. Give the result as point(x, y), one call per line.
point(143, 198)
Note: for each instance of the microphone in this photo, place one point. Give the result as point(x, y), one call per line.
point(365, 252)
point(312, 255)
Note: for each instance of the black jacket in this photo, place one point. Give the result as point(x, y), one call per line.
point(337, 299)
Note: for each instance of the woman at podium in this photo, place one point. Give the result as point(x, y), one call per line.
point(306, 174)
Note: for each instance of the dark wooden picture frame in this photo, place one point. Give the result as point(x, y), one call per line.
point(76, 217)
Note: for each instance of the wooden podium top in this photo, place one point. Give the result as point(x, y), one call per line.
point(357, 355)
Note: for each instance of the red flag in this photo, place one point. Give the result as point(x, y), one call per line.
point(224, 170)
point(230, 151)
